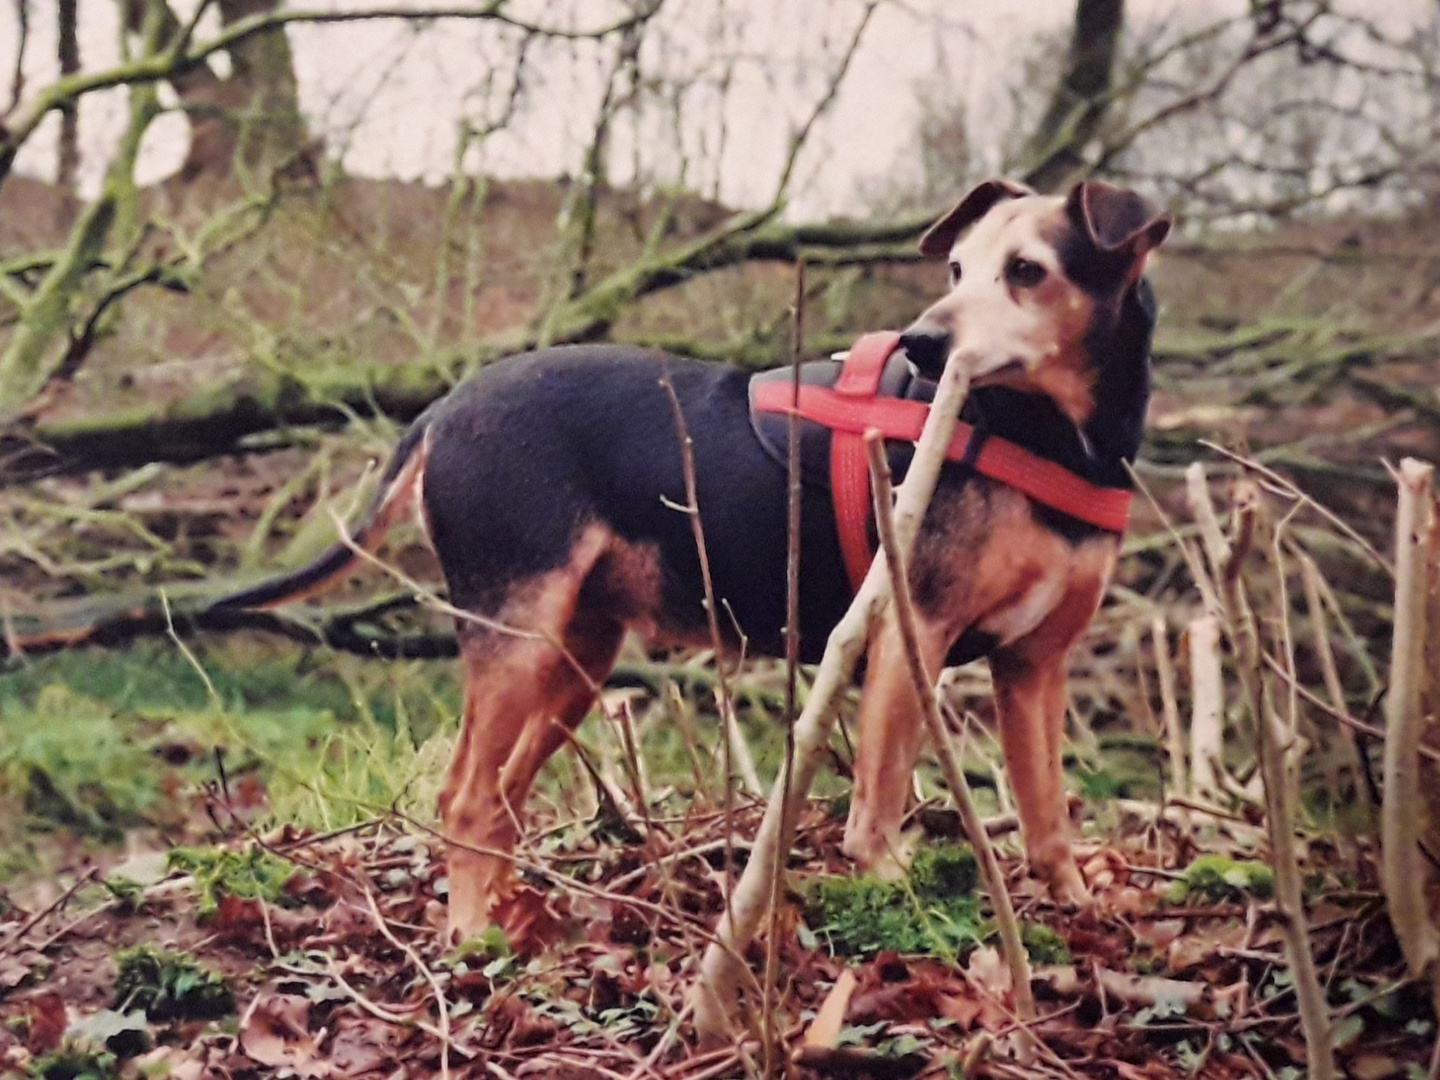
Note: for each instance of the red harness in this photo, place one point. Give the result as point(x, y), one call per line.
point(851, 407)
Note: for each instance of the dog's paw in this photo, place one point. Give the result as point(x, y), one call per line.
point(1067, 886)
point(888, 858)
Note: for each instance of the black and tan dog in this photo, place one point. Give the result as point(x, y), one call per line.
point(547, 486)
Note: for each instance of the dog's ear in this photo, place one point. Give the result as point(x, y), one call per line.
point(1116, 220)
point(936, 242)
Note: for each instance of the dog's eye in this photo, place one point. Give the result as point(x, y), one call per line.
point(1024, 273)
point(954, 273)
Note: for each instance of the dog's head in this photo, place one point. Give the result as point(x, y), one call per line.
point(1037, 284)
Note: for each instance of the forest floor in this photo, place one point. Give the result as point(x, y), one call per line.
point(323, 955)
point(216, 856)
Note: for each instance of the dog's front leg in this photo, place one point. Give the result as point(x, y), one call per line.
point(1030, 703)
point(889, 743)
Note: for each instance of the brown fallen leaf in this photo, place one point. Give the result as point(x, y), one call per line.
point(825, 1028)
point(46, 1024)
point(529, 920)
point(17, 967)
point(274, 1031)
point(1374, 1067)
point(988, 973)
point(363, 1044)
point(964, 1011)
point(1158, 934)
point(1199, 945)
point(1057, 980)
point(918, 999)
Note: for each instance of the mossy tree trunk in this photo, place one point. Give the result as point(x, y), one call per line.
point(1081, 99)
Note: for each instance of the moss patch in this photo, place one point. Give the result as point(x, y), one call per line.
point(1216, 879)
point(169, 985)
point(933, 910)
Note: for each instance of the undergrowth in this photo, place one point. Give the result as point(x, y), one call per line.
point(249, 874)
point(98, 743)
point(1218, 879)
point(932, 910)
point(169, 985)
point(75, 1063)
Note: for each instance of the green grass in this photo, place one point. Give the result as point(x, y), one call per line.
point(97, 742)
point(249, 874)
point(154, 675)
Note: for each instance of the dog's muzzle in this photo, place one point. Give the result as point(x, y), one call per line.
point(928, 347)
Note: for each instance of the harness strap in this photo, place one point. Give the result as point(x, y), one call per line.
point(858, 383)
point(851, 408)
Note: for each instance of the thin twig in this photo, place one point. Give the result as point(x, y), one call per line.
point(734, 740)
point(1310, 579)
point(771, 1052)
point(1286, 487)
point(1169, 705)
point(440, 1004)
point(1244, 631)
point(717, 988)
point(93, 874)
point(1401, 871)
point(1370, 731)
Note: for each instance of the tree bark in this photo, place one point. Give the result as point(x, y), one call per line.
point(261, 96)
point(253, 116)
point(1081, 100)
point(68, 47)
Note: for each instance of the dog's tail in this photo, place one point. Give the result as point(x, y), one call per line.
point(399, 490)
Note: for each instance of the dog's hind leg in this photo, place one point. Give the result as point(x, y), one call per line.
point(516, 686)
point(591, 645)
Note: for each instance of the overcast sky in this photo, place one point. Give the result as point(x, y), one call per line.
point(389, 96)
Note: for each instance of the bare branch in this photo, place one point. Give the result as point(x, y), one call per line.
point(17, 77)
point(801, 135)
point(181, 54)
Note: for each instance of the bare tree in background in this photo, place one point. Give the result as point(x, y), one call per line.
point(1081, 99)
point(1274, 111)
point(54, 306)
point(1296, 108)
point(67, 165)
point(1291, 107)
point(250, 117)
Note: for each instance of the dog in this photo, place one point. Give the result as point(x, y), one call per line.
point(548, 486)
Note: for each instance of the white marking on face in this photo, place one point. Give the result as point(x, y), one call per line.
point(1011, 308)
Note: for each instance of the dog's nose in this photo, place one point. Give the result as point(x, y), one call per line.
point(928, 346)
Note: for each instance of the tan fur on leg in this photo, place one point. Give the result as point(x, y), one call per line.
point(1030, 702)
point(515, 689)
point(889, 742)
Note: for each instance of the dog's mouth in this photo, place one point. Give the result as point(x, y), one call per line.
point(1008, 372)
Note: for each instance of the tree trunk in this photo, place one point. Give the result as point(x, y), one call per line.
point(1082, 99)
point(254, 115)
point(68, 47)
point(261, 94)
